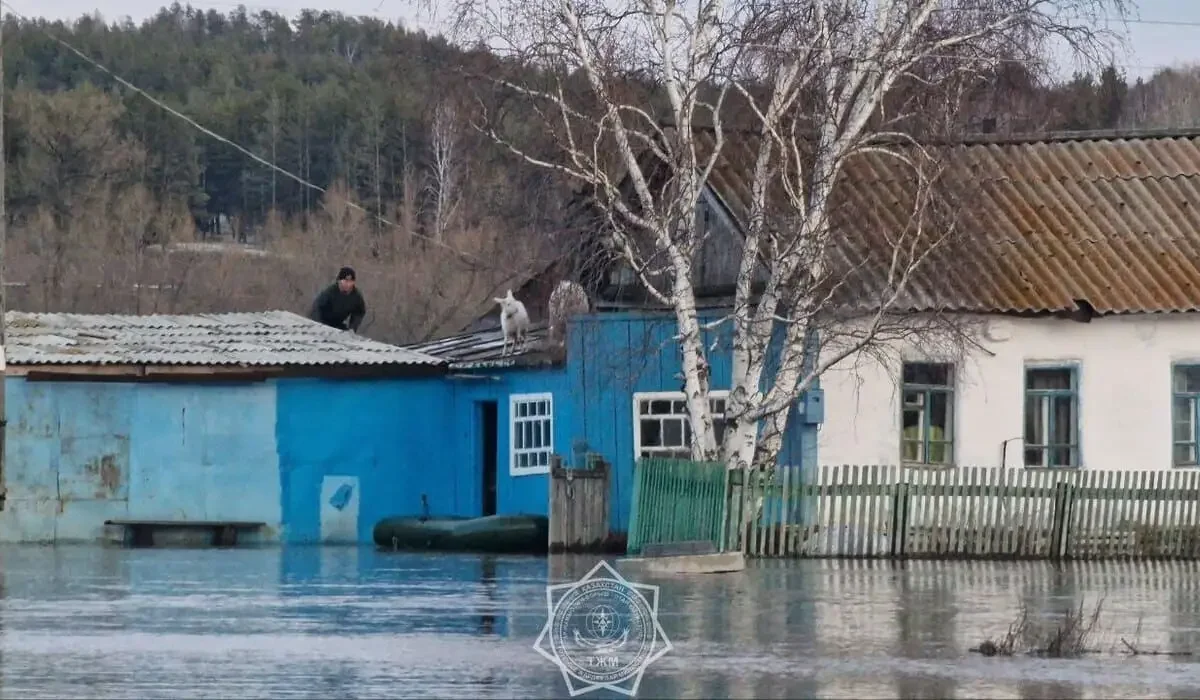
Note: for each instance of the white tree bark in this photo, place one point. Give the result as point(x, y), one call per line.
point(444, 167)
point(813, 78)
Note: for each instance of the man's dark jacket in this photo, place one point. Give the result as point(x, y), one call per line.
point(333, 307)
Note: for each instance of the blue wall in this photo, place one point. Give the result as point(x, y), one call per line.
point(318, 460)
point(383, 440)
point(79, 453)
point(527, 493)
point(323, 460)
point(613, 355)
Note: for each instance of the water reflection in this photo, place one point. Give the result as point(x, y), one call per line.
point(349, 622)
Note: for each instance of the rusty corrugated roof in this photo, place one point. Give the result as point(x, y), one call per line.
point(1039, 224)
point(484, 348)
point(269, 338)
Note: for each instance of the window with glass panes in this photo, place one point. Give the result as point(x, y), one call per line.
point(1185, 384)
point(661, 427)
point(927, 413)
point(1051, 417)
point(532, 433)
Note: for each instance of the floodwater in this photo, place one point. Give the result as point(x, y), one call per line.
point(353, 623)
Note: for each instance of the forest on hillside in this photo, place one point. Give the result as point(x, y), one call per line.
point(104, 186)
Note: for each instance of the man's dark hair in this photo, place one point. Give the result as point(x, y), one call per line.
point(346, 273)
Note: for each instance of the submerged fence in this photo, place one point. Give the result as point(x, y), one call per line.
point(887, 511)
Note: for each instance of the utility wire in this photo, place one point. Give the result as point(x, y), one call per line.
point(262, 161)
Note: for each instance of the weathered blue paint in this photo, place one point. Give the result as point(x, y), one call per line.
point(612, 356)
point(79, 453)
point(322, 460)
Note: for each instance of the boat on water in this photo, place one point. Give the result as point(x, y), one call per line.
point(493, 534)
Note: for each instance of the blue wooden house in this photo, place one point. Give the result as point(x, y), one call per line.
point(616, 391)
point(616, 388)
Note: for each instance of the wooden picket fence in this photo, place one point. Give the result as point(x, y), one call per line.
point(889, 511)
point(677, 501)
point(970, 512)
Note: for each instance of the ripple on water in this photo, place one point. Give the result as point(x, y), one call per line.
point(112, 623)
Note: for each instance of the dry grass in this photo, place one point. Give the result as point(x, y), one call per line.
point(1071, 636)
point(124, 253)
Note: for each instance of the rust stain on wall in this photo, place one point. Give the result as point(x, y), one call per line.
point(108, 469)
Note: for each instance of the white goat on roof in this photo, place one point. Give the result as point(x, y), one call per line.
point(514, 322)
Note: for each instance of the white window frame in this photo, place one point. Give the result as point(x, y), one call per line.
point(638, 398)
point(514, 420)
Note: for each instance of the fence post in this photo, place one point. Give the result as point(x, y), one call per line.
point(1064, 500)
point(899, 519)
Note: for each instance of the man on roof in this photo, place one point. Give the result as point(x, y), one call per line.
point(340, 305)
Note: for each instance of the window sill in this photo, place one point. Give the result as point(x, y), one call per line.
point(528, 471)
point(921, 466)
point(1053, 469)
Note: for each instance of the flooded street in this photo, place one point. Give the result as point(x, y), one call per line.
point(354, 623)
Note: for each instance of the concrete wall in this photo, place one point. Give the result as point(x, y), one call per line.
point(1124, 367)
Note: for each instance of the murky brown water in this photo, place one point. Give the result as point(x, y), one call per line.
point(350, 623)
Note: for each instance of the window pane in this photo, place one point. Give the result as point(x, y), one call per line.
point(930, 373)
point(911, 451)
point(719, 430)
point(535, 435)
point(1185, 454)
point(1183, 419)
point(1063, 430)
point(939, 453)
point(543, 459)
point(914, 399)
point(644, 408)
point(1033, 456)
point(679, 408)
point(1034, 420)
point(687, 433)
point(940, 423)
point(912, 427)
point(673, 433)
point(1048, 378)
point(546, 433)
point(660, 408)
point(1187, 379)
point(522, 459)
point(718, 406)
point(651, 434)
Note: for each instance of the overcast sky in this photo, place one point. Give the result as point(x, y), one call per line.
point(1166, 34)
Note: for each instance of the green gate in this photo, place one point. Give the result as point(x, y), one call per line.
point(677, 501)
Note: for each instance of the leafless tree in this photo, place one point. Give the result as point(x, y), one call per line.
point(444, 167)
point(644, 96)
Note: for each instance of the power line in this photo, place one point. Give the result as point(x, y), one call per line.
point(212, 134)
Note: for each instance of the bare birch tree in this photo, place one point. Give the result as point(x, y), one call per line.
point(643, 95)
point(444, 167)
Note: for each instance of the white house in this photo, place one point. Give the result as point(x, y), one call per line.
point(1082, 265)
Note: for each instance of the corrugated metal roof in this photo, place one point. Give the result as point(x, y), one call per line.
point(1039, 223)
point(269, 338)
point(483, 348)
